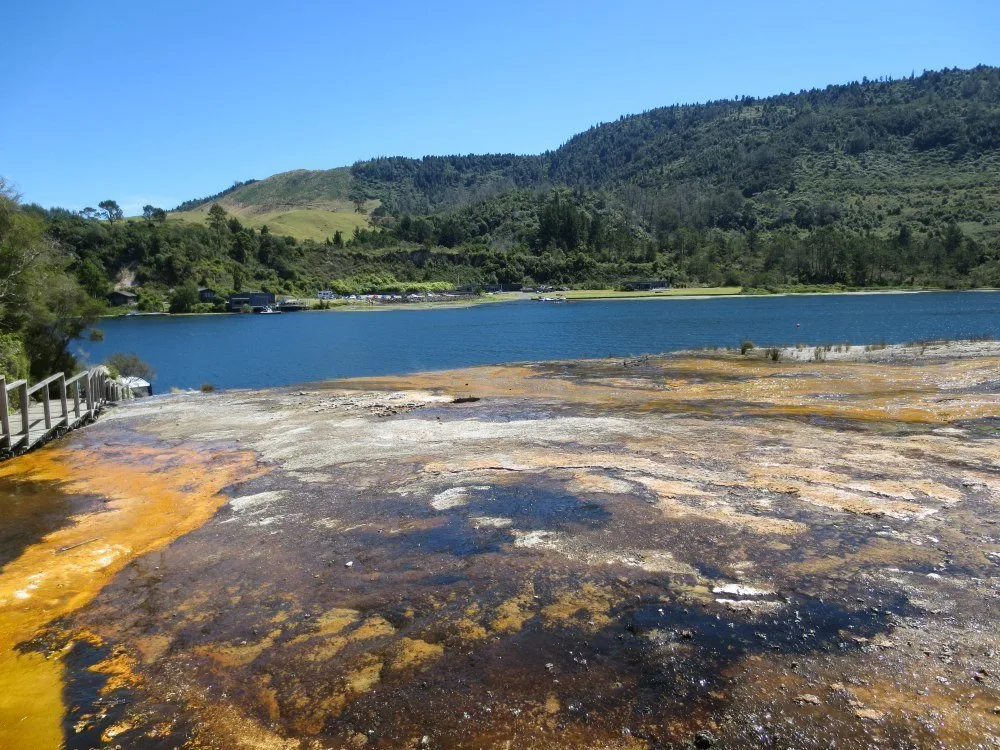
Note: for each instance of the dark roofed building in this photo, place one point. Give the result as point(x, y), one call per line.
point(205, 294)
point(646, 285)
point(253, 300)
point(120, 299)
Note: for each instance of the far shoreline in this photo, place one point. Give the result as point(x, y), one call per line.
point(586, 294)
point(579, 295)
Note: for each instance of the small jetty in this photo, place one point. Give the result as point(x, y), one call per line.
point(32, 414)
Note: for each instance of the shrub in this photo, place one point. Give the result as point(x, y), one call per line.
point(207, 388)
point(184, 298)
point(774, 353)
point(746, 346)
point(13, 358)
point(149, 301)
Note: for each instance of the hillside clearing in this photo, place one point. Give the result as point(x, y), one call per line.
point(301, 223)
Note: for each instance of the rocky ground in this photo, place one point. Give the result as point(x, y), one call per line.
point(920, 351)
point(691, 551)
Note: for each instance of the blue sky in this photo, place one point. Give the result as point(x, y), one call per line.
point(158, 102)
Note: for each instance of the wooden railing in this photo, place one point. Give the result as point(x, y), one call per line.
point(77, 400)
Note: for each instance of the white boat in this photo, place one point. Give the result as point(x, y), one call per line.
point(269, 311)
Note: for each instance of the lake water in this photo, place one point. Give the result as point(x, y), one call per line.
point(234, 351)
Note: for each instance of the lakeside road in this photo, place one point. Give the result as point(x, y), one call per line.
point(562, 554)
point(364, 306)
point(723, 291)
point(696, 292)
point(341, 305)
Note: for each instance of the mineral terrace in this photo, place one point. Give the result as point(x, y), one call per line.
point(689, 551)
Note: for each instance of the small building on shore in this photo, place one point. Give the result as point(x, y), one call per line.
point(253, 300)
point(205, 294)
point(122, 299)
point(645, 285)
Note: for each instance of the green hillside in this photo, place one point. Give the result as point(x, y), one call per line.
point(307, 223)
point(296, 188)
point(300, 187)
point(862, 157)
point(304, 204)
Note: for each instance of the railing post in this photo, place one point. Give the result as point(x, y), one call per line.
point(4, 414)
point(62, 397)
point(89, 394)
point(45, 407)
point(25, 418)
point(76, 398)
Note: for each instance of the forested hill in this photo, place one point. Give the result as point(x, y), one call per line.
point(871, 183)
point(865, 155)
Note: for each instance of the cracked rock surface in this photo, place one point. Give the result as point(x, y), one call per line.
point(695, 548)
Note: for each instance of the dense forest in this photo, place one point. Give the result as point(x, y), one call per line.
point(869, 184)
point(873, 183)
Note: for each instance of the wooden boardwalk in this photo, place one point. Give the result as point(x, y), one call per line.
point(32, 414)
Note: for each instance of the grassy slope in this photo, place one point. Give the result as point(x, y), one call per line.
point(295, 188)
point(304, 204)
point(300, 223)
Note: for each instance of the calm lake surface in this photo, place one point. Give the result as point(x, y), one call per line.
point(236, 351)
